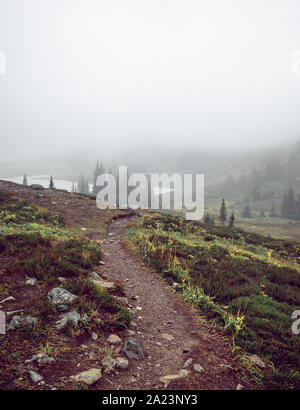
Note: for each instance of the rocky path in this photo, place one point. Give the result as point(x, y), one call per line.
point(166, 327)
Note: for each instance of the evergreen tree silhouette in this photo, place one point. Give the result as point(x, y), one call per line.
point(223, 212)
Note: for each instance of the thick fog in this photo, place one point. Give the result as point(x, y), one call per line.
point(103, 76)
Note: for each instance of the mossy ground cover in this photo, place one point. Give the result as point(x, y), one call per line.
point(34, 242)
point(245, 284)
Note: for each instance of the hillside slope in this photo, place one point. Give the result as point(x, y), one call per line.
point(247, 285)
point(57, 240)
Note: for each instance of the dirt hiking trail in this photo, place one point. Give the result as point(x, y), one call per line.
point(165, 326)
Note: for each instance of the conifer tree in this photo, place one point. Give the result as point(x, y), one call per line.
point(51, 183)
point(272, 212)
point(247, 212)
point(223, 212)
point(25, 183)
point(207, 219)
point(231, 220)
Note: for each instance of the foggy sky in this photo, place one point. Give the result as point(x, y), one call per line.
point(99, 75)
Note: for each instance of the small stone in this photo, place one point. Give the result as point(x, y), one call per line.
point(103, 284)
point(167, 337)
point(94, 336)
point(132, 325)
point(239, 387)
point(133, 349)
point(114, 339)
point(61, 279)
point(257, 361)
point(14, 312)
point(70, 318)
point(109, 364)
point(147, 327)
point(92, 356)
point(166, 380)
point(122, 300)
point(41, 359)
point(60, 296)
point(94, 275)
point(188, 363)
point(35, 377)
point(89, 376)
point(198, 368)
point(84, 347)
point(21, 321)
point(226, 366)
point(122, 363)
point(30, 281)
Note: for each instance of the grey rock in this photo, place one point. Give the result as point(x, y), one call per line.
point(122, 300)
point(94, 275)
point(30, 281)
point(35, 377)
point(109, 364)
point(114, 340)
point(166, 380)
point(103, 284)
point(167, 337)
point(239, 387)
point(198, 368)
point(21, 321)
point(133, 349)
point(147, 327)
point(94, 336)
point(14, 312)
point(122, 363)
point(226, 366)
point(188, 363)
point(257, 361)
point(89, 376)
point(60, 296)
point(70, 318)
point(41, 359)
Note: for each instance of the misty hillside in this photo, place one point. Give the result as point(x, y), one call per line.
point(149, 198)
